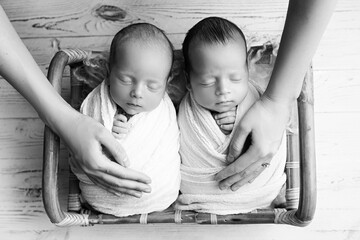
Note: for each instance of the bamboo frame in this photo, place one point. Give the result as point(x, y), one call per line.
point(300, 169)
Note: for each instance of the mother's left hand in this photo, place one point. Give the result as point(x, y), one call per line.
point(264, 124)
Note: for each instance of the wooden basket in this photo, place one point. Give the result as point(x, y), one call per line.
point(300, 166)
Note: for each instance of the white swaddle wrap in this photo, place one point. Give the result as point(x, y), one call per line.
point(152, 146)
point(203, 149)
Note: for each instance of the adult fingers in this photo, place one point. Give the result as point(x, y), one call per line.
point(249, 176)
point(116, 183)
point(237, 143)
point(118, 171)
point(114, 148)
point(236, 167)
point(118, 191)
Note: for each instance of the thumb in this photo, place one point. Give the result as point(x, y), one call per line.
point(237, 144)
point(114, 149)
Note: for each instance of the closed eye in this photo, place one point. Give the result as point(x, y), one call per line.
point(154, 86)
point(236, 79)
point(125, 81)
point(207, 82)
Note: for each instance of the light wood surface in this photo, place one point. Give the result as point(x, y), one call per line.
point(46, 26)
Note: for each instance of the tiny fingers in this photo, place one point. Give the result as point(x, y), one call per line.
point(120, 117)
point(227, 127)
point(230, 113)
point(227, 120)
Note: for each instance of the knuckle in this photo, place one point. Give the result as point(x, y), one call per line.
point(244, 173)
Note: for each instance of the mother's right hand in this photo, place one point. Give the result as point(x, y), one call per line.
point(87, 140)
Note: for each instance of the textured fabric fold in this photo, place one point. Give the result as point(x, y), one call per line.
point(203, 150)
point(152, 146)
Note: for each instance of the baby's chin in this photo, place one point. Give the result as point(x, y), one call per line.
point(221, 109)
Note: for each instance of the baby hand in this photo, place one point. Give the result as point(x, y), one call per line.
point(121, 126)
point(226, 120)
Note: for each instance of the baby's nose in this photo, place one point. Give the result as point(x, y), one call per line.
point(223, 86)
point(137, 91)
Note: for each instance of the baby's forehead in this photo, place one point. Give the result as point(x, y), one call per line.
point(201, 42)
point(157, 46)
point(207, 47)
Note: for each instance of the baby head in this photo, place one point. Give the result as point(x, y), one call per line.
point(140, 61)
point(216, 64)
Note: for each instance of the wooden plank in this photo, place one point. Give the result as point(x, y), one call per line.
point(336, 135)
point(13, 105)
point(91, 18)
point(336, 151)
point(329, 97)
point(336, 216)
point(166, 231)
point(22, 139)
point(338, 46)
point(337, 91)
point(86, 18)
point(46, 27)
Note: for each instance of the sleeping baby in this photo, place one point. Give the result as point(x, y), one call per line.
point(133, 104)
point(215, 55)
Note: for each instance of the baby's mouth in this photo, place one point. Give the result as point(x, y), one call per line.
point(133, 105)
point(226, 102)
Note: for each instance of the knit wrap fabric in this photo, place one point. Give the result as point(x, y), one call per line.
point(203, 150)
point(152, 146)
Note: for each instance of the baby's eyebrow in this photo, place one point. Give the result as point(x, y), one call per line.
point(124, 74)
point(204, 73)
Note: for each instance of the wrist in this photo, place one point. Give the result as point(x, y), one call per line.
point(284, 101)
point(280, 106)
point(62, 118)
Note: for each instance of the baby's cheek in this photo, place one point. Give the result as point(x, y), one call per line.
point(204, 95)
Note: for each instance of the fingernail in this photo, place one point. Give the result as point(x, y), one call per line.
point(222, 187)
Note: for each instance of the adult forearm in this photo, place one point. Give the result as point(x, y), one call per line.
point(304, 26)
point(18, 67)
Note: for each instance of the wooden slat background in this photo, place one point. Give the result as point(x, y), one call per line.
point(47, 26)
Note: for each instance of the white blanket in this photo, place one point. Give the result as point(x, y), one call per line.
point(152, 147)
point(203, 149)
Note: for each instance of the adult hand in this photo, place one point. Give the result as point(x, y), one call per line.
point(87, 141)
point(264, 123)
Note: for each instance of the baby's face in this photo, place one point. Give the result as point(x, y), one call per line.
point(138, 78)
point(219, 75)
